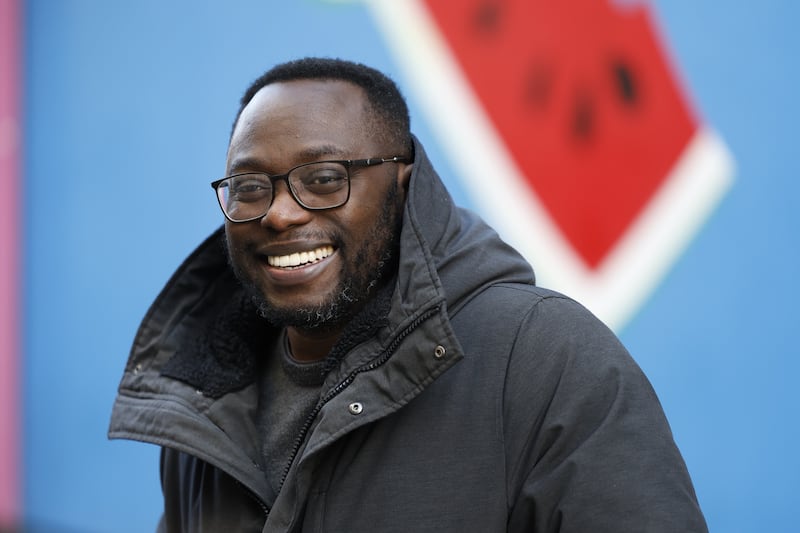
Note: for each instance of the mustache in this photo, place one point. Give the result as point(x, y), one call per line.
point(253, 243)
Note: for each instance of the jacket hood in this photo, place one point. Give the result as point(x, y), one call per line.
point(466, 255)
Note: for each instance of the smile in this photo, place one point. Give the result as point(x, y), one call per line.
point(298, 259)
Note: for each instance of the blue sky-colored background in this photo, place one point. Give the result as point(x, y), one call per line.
point(127, 110)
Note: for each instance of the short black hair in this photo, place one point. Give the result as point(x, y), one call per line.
point(383, 95)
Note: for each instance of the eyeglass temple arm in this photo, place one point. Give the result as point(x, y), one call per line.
point(378, 160)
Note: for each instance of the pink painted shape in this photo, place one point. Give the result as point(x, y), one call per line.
point(10, 21)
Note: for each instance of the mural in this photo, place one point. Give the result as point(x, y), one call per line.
point(583, 147)
point(640, 153)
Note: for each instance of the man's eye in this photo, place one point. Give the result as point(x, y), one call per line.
point(250, 189)
point(324, 182)
point(322, 179)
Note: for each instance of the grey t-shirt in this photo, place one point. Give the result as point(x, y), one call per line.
point(288, 392)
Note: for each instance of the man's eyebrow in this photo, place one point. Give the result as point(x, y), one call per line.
point(306, 155)
point(245, 163)
point(320, 152)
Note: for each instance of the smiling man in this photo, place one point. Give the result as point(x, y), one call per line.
point(313, 247)
point(353, 352)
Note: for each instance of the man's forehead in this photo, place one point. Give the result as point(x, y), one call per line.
point(323, 100)
point(304, 120)
point(328, 91)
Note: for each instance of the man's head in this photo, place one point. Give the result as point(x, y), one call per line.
point(314, 269)
point(388, 107)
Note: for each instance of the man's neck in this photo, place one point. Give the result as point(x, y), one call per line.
point(307, 347)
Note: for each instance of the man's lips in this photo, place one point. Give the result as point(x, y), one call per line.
point(297, 259)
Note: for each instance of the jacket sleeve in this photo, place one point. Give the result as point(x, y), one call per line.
point(589, 447)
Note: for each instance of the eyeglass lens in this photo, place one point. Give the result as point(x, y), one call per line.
point(316, 186)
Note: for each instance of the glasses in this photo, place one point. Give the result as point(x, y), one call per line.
point(315, 186)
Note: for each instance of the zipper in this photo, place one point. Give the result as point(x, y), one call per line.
point(254, 496)
point(338, 389)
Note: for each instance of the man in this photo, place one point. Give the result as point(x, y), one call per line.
point(354, 353)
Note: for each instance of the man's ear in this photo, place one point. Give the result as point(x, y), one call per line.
point(404, 175)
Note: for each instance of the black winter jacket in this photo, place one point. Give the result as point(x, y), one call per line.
point(483, 404)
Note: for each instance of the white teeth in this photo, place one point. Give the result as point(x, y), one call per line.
point(300, 258)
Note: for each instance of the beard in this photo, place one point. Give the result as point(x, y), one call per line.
point(363, 272)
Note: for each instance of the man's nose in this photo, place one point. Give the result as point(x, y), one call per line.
point(284, 212)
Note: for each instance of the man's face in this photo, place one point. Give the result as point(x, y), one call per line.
point(287, 124)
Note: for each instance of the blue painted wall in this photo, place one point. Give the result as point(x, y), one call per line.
point(127, 111)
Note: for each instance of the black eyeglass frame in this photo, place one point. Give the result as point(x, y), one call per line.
point(347, 163)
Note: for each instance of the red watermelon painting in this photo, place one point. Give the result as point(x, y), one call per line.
point(584, 150)
point(581, 95)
